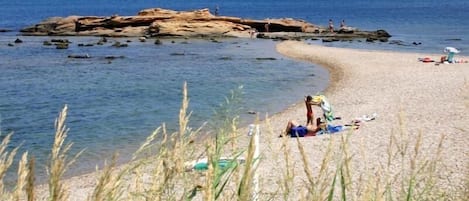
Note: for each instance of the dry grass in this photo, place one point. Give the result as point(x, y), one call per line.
point(158, 171)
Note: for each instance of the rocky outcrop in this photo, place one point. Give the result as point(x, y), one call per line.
point(157, 22)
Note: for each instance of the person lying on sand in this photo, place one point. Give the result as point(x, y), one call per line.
point(294, 129)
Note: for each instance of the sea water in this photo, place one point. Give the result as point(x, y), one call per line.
point(114, 104)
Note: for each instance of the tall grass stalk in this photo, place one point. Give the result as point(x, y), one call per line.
point(286, 181)
point(31, 180)
point(22, 179)
point(58, 162)
point(6, 159)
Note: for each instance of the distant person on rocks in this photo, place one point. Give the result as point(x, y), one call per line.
point(331, 26)
point(217, 10)
point(267, 27)
point(253, 32)
point(342, 24)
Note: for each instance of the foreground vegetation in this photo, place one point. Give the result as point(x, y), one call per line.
point(159, 169)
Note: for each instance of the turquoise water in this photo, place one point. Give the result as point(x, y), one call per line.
point(114, 105)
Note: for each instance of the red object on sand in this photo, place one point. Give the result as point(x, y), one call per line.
point(426, 60)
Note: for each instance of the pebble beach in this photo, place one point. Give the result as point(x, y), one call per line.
point(410, 98)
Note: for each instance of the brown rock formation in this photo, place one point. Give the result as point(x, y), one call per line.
point(159, 22)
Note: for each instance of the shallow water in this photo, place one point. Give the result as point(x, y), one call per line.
point(115, 104)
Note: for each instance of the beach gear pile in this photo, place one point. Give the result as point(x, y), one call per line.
point(326, 107)
point(445, 59)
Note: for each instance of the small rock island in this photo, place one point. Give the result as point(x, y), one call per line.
point(158, 22)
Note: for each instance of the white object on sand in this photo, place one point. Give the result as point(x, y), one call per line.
point(367, 117)
point(451, 49)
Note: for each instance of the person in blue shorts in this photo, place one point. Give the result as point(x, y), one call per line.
point(294, 129)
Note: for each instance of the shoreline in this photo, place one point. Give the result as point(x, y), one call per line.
point(363, 82)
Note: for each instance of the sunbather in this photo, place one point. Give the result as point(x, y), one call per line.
point(294, 129)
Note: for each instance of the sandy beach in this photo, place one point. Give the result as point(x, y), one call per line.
point(409, 97)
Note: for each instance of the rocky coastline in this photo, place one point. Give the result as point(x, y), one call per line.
point(163, 23)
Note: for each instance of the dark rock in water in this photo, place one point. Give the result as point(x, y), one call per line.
point(384, 40)
point(80, 56)
point(453, 39)
point(119, 44)
point(46, 43)
point(225, 58)
point(416, 43)
point(5, 30)
point(178, 54)
point(266, 58)
point(85, 45)
point(215, 40)
point(382, 34)
point(60, 41)
point(327, 40)
point(252, 112)
point(158, 42)
point(370, 39)
point(103, 40)
point(61, 45)
point(114, 57)
point(18, 40)
point(10, 44)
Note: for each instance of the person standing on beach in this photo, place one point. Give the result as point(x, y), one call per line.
point(309, 110)
point(331, 26)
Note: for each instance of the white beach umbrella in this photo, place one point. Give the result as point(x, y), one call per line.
point(451, 49)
